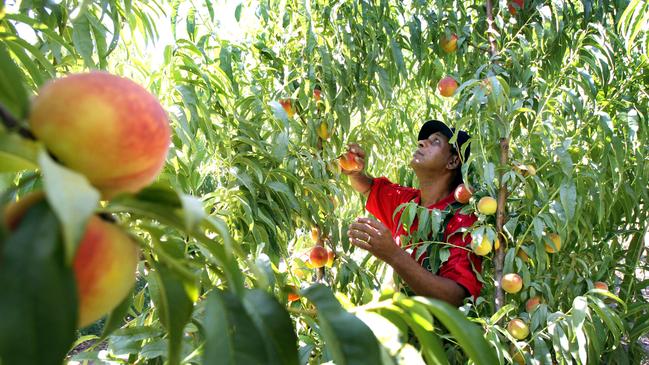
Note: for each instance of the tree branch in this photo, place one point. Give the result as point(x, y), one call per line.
point(12, 123)
point(501, 214)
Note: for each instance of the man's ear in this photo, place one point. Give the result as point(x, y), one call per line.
point(453, 162)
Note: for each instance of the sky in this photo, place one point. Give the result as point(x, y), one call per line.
point(224, 15)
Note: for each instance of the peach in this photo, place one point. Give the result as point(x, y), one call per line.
point(449, 44)
point(317, 95)
point(487, 205)
point(323, 132)
point(600, 285)
point(511, 283)
point(104, 264)
point(288, 107)
point(447, 86)
point(292, 294)
point(318, 256)
point(532, 303)
point(484, 247)
point(330, 258)
point(512, 8)
point(348, 162)
point(518, 329)
point(463, 193)
point(315, 234)
point(518, 356)
point(523, 255)
point(556, 240)
point(106, 127)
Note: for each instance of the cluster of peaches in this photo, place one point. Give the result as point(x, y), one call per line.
point(116, 134)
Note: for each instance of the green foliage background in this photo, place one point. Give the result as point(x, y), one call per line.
point(567, 86)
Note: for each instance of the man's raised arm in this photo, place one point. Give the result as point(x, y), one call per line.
point(353, 165)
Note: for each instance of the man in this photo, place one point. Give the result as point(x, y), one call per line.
point(436, 164)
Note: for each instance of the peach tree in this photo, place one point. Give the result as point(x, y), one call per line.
point(262, 99)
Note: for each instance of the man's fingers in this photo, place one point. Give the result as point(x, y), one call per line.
point(359, 243)
point(362, 227)
point(356, 149)
point(373, 223)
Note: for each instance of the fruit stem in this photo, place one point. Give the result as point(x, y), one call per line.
point(11, 122)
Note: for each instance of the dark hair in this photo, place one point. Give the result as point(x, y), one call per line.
point(457, 179)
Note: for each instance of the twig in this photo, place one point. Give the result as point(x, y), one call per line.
point(12, 123)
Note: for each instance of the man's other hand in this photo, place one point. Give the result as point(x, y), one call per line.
point(373, 236)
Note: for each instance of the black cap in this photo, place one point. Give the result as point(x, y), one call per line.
point(463, 137)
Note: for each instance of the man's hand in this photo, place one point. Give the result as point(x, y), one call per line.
point(375, 237)
point(359, 158)
point(358, 179)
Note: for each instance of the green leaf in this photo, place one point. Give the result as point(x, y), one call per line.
point(231, 336)
point(72, 198)
point(174, 306)
point(431, 345)
point(193, 211)
point(348, 339)
point(274, 323)
point(17, 153)
point(13, 94)
point(191, 23)
point(81, 38)
point(568, 194)
point(38, 298)
point(237, 12)
point(468, 335)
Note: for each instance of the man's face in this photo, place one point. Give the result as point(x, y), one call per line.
point(433, 153)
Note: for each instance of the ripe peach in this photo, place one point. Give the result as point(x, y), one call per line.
point(556, 240)
point(512, 8)
point(292, 294)
point(288, 107)
point(318, 256)
point(104, 264)
point(600, 285)
point(106, 127)
point(447, 86)
point(511, 283)
point(449, 44)
point(348, 162)
point(484, 247)
point(317, 95)
point(532, 303)
point(330, 258)
point(463, 193)
point(487, 205)
point(518, 329)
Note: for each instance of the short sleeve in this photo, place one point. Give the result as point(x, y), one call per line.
point(385, 197)
point(461, 263)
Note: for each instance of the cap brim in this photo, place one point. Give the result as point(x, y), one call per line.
point(434, 126)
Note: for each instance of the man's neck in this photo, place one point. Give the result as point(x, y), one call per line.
point(433, 190)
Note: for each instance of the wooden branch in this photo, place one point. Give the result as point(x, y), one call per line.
point(501, 217)
point(12, 123)
point(501, 213)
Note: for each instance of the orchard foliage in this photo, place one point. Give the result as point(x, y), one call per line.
point(258, 123)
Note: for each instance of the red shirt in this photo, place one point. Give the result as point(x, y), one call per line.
point(385, 197)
